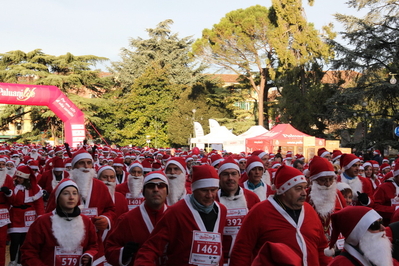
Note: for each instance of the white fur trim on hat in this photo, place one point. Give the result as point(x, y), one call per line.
point(22, 174)
point(324, 173)
point(107, 167)
point(206, 182)
point(395, 173)
point(367, 164)
point(291, 183)
point(80, 156)
point(176, 163)
point(34, 167)
point(63, 185)
point(217, 162)
point(226, 166)
point(118, 164)
point(55, 169)
point(253, 165)
point(349, 165)
point(136, 165)
point(152, 176)
point(260, 155)
point(324, 154)
point(3, 159)
point(341, 186)
point(362, 226)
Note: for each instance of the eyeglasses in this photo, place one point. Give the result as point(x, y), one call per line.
point(376, 225)
point(152, 185)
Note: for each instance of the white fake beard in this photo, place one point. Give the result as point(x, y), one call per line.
point(266, 178)
point(177, 188)
point(3, 174)
point(11, 171)
point(111, 187)
point(83, 180)
point(355, 184)
point(17, 161)
point(34, 155)
point(135, 185)
point(323, 198)
point(69, 234)
point(376, 248)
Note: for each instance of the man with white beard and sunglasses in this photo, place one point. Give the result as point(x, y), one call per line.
point(175, 170)
point(365, 239)
point(10, 165)
point(95, 199)
point(132, 188)
point(323, 194)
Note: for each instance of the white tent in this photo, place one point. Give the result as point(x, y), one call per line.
point(217, 136)
point(237, 144)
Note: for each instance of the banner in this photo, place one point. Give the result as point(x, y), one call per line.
point(53, 98)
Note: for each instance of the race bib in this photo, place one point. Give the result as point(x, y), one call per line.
point(395, 202)
point(4, 217)
point(64, 258)
point(340, 242)
point(206, 248)
point(234, 220)
point(133, 202)
point(90, 212)
point(30, 217)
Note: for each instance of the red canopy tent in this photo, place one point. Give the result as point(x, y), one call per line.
point(280, 135)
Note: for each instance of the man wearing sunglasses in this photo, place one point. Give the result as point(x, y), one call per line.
point(134, 228)
point(365, 239)
point(190, 232)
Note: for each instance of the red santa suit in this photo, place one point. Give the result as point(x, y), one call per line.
point(360, 184)
point(134, 226)
point(263, 191)
point(48, 181)
point(374, 183)
point(175, 233)
point(237, 208)
point(98, 203)
point(268, 221)
point(4, 215)
point(386, 201)
point(48, 233)
point(123, 178)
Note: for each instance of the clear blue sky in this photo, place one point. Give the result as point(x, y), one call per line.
point(102, 28)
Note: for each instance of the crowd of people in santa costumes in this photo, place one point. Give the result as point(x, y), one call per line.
point(176, 207)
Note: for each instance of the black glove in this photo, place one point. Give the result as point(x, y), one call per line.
point(85, 142)
point(45, 195)
point(363, 198)
point(129, 250)
point(5, 190)
point(66, 145)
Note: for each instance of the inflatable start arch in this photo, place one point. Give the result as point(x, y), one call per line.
point(53, 98)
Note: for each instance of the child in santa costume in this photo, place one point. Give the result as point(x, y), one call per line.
point(26, 204)
point(63, 236)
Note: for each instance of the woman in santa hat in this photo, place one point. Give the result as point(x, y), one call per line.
point(63, 236)
point(26, 204)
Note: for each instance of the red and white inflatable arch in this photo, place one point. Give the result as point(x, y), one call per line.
point(53, 98)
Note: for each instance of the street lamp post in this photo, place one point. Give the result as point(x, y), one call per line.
point(148, 140)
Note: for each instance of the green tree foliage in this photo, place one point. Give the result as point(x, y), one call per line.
point(372, 50)
point(72, 74)
point(264, 45)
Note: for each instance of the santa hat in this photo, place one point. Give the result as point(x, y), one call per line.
point(368, 163)
point(118, 162)
point(216, 159)
point(79, 155)
point(23, 171)
point(376, 152)
point(66, 182)
point(26, 172)
point(276, 165)
point(396, 170)
point(252, 162)
point(322, 152)
point(146, 163)
point(286, 178)
point(300, 157)
point(189, 158)
point(375, 164)
point(58, 149)
point(204, 160)
point(385, 160)
point(3, 159)
point(179, 161)
point(155, 175)
point(319, 167)
point(276, 254)
point(34, 165)
point(228, 163)
point(103, 168)
point(288, 156)
point(336, 155)
point(352, 222)
point(341, 186)
point(384, 166)
point(156, 165)
point(68, 162)
point(58, 164)
point(259, 153)
point(136, 164)
point(204, 176)
point(347, 160)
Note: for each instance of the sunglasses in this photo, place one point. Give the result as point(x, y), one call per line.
point(152, 185)
point(376, 225)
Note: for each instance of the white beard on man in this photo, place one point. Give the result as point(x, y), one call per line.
point(11, 171)
point(323, 198)
point(34, 155)
point(111, 188)
point(177, 188)
point(376, 247)
point(83, 179)
point(135, 184)
point(3, 174)
point(17, 161)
